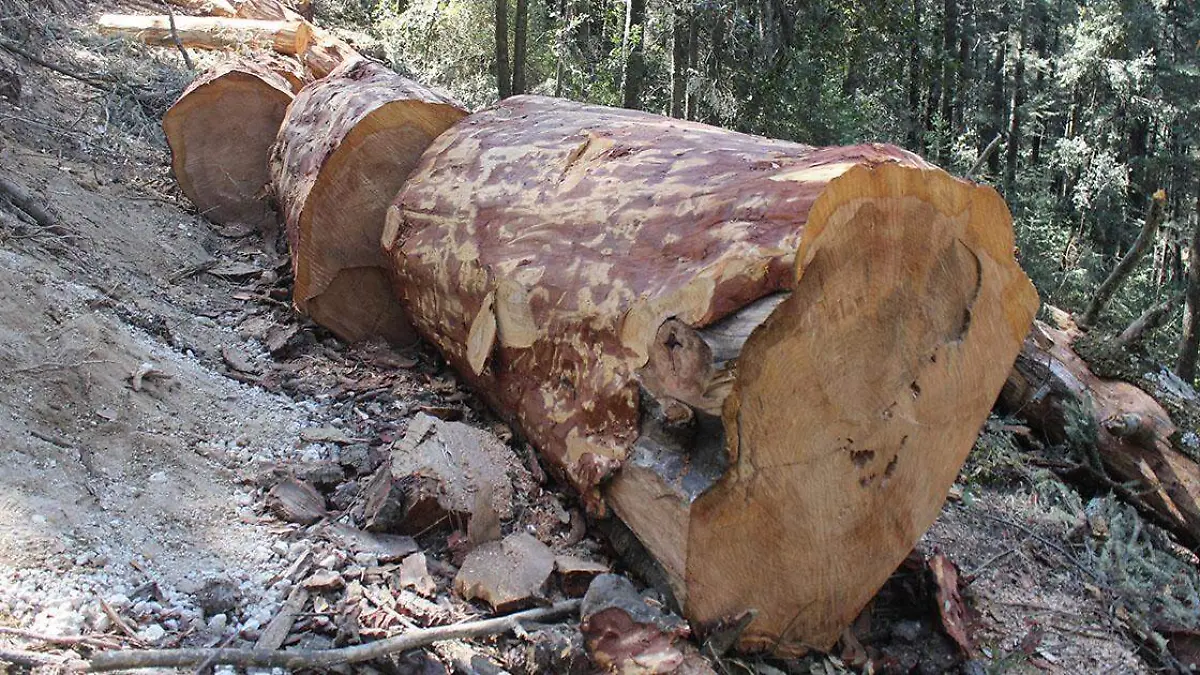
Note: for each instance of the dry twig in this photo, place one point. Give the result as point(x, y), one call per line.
point(324, 658)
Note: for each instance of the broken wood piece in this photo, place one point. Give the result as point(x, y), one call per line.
point(576, 574)
point(950, 603)
point(874, 309)
point(222, 167)
point(276, 632)
point(414, 574)
point(348, 142)
point(625, 634)
point(388, 548)
point(206, 32)
point(146, 371)
point(507, 574)
point(34, 207)
point(438, 468)
point(296, 501)
point(296, 659)
point(324, 581)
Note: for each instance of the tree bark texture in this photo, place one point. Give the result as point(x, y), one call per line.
point(520, 32)
point(582, 266)
point(634, 46)
point(344, 148)
point(503, 76)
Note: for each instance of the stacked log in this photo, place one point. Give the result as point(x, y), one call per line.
point(346, 146)
point(769, 360)
point(220, 132)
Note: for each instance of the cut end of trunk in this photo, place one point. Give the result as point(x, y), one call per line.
point(347, 146)
point(856, 402)
point(220, 132)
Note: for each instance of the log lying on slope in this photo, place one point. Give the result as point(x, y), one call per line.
point(221, 131)
point(289, 37)
point(1134, 433)
point(552, 250)
point(319, 50)
point(345, 147)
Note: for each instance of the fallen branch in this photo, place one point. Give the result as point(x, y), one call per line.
point(983, 156)
point(22, 199)
point(1154, 218)
point(20, 657)
point(90, 640)
point(324, 658)
point(187, 58)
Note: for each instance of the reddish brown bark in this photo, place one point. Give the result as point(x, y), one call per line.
point(344, 149)
point(542, 245)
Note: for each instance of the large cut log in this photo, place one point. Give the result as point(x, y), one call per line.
point(572, 263)
point(208, 32)
point(220, 131)
point(1135, 438)
point(346, 145)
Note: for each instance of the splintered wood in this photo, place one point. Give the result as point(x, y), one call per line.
point(769, 360)
point(434, 475)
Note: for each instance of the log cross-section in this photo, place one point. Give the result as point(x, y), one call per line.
point(347, 144)
point(220, 131)
point(616, 284)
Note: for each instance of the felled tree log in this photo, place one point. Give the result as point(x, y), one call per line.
point(346, 146)
point(1134, 433)
point(567, 258)
point(208, 7)
point(207, 32)
point(220, 131)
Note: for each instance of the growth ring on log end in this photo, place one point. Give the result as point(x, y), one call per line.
point(346, 146)
point(768, 360)
point(220, 132)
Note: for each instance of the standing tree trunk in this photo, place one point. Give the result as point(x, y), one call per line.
point(345, 147)
point(1012, 150)
point(520, 30)
point(1185, 366)
point(950, 67)
point(916, 135)
point(560, 47)
point(995, 108)
point(633, 43)
point(503, 76)
point(679, 63)
point(693, 66)
point(768, 359)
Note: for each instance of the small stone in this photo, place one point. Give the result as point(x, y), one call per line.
point(280, 548)
point(217, 623)
point(218, 596)
point(152, 633)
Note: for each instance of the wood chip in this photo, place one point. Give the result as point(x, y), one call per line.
point(386, 547)
point(296, 501)
point(576, 574)
point(324, 580)
point(508, 574)
point(414, 574)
